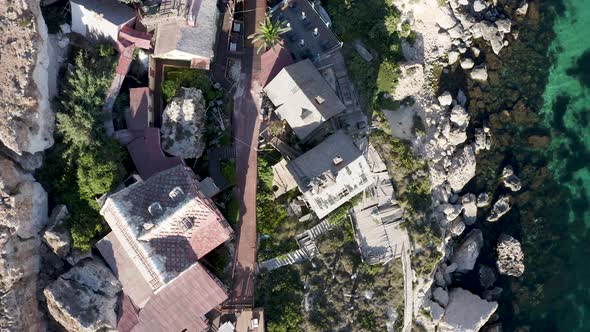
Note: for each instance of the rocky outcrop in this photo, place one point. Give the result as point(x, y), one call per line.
point(57, 236)
point(469, 209)
point(462, 168)
point(84, 298)
point(510, 256)
point(23, 214)
point(500, 208)
point(466, 312)
point(466, 254)
point(28, 121)
point(479, 74)
point(183, 125)
point(510, 180)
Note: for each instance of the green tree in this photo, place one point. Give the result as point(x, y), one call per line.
point(269, 34)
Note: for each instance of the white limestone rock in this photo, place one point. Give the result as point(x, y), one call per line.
point(457, 226)
point(483, 199)
point(467, 63)
point(453, 57)
point(23, 214)
point(510, 180)
point(445, 19)
point(183, 125)
point(84, 298)
point(462, 168)
point(522, 9)
point(469, 209)
point(478, 6)
point(479, 73)
point(500, 208)
point(510, 256)
point(467, 252)
point(57, 236)
point(459, 116)
point(504, 25)
point(466, 312)
point(445, 99)
point(483, 139)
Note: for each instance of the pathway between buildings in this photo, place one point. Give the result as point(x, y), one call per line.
point(246, 127)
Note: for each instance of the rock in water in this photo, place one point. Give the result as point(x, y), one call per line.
point(57, 236)
point(466, 254)
point(183, 125)
point(500, 208)
point(84, 298)
point(28, 120)
point(479, 74)
point(487, 276)
point(510, 180)
point(466, 312)
point(462, 168)
point(510, 256)
point(483, 199)
point(445, 99)
point(441, 296)
point(23, 214)
point(469, 209)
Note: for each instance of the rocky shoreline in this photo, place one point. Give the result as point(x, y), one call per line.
point(451, 146)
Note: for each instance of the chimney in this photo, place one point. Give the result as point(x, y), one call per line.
point(176, 194)
point(316, 32)
point(155, 209)
point(303, 17)
point(337, 159)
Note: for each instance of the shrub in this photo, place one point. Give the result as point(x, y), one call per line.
point(228, 170)
point(175, 78)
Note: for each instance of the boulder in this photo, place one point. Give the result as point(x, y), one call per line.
point(65, 28)
point(510, 180)
point(522, 9)
point(500, 208)
point(467, 252)
point(452, 211)
point(445, 99)
point(479, 6)
point(453, 57)
point(183, 125)
point(436, 311)
point(476, 51)
point(459, 116)
point(445, 19)
point(462, 168)
point(451, 268)
point(461, 98)
point(56, 235)
point(440, 296)
point(479, 74)
point(510, 256)
point(457, 135)
point(457, 226)
point(466, 312)
point(483, 199)
point(23, 214)
point(487, 276)
point(483, 139)
point(467, 63)
point(28, 121)
point(469, 209)
point(84, 298)
point(504, 25)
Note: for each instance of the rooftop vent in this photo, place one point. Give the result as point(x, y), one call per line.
point(337, 159)
point(316, 32)
point(176, 194)
point(254, 323)
point(147, 226)
point(155, 209)
point(186, 224)
point(303, 17)
point(319, 99)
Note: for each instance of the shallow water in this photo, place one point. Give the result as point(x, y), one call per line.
point(560, 295)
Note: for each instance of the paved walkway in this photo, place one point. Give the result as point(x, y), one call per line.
point(408, 288)
point(246, 128)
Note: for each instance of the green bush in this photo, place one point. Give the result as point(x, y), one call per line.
point(175, 78)
point(228, 170)
point(84, 163)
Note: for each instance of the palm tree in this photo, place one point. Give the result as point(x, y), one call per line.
point(269, 34)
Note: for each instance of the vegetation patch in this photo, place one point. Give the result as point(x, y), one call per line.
point(175, 78)
point(84, 163)
point(228, 170)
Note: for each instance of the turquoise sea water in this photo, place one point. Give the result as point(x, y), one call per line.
point(565, 301)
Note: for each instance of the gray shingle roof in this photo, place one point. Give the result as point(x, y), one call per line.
point(303, 98)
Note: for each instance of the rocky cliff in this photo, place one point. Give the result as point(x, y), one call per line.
point(23, 215)
point(27, 120)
